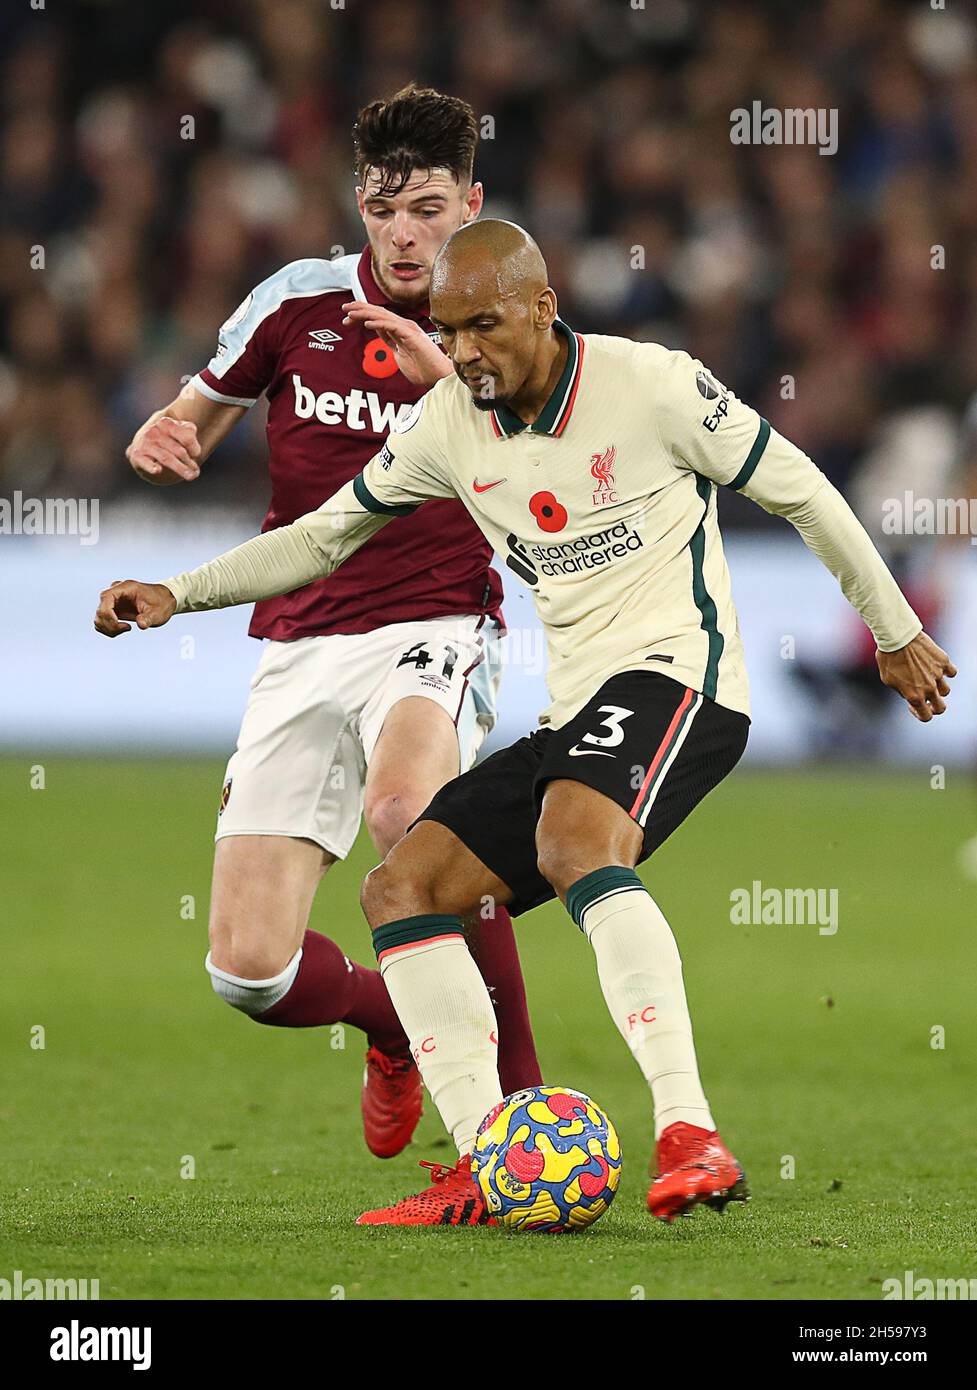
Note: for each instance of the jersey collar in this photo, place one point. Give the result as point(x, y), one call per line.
point(557, 410)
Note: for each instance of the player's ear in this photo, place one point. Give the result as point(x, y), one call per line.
point(546, 309)
point(360, 201)
point(474, 199)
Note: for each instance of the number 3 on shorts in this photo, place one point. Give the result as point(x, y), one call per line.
point(615, 717)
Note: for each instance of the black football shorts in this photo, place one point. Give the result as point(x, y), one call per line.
point(652, 745)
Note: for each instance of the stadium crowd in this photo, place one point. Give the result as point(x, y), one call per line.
point(128, 233)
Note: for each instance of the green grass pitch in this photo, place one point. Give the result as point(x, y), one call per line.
point(815, 1047)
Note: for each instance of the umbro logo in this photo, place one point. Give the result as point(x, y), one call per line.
point(323, 339)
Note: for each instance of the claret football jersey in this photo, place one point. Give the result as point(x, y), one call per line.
point(334, 391)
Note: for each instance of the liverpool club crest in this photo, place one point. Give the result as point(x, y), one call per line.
point(602, 470)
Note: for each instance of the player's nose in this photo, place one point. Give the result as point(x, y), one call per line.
point(403, 231)
point(465, 349)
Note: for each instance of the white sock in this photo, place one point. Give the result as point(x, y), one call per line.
point(640, 972)
point(253, 996)
point(447, 1014)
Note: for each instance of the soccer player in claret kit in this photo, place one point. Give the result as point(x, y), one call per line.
point(376, 686)
point(592, 463)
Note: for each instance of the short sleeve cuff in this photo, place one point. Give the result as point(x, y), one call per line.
point(198, 384)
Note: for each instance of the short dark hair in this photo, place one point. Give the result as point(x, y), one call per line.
point(416, 128)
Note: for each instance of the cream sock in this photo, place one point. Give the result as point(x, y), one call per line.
point(447, 1014)
point(640, 973)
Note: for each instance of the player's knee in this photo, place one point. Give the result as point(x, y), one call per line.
point(397, 889)
point(388, 816)
point(559, 863)
point(382, 894)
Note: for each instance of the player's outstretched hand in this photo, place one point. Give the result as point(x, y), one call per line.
point(126, 601)
point(421, 360)
point(166, 452)
point(920, 672)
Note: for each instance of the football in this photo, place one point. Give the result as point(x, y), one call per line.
point(547, 1159)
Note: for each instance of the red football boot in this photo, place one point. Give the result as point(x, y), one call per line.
point(453, 1199)
point(694, 1166)
point(391, 1102)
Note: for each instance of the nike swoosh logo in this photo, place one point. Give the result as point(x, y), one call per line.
point(484, 487)
point(594, 753)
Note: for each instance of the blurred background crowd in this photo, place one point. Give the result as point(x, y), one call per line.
point(610, 131)
point(836, 292)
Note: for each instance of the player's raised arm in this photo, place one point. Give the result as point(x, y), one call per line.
point(405, 473)
point(709, 430)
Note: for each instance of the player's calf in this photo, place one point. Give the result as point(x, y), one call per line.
point(265, 963)
point(262, 893)
point(415, 903)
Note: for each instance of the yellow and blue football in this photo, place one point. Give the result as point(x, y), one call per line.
point(547, 1159)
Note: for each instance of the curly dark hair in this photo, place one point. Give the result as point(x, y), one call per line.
point(416, 128)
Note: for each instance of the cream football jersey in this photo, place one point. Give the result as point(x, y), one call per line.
point(604, 508)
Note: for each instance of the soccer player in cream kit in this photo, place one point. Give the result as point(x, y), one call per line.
point(591, 463)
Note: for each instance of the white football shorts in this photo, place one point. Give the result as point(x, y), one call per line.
point(316, 709)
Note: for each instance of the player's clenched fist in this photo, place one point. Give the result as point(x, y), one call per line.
point(166, 451)
point(127, 601)
point(921, 673)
